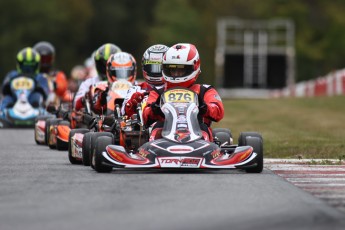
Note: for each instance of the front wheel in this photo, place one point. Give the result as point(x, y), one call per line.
point(101, 144)
point(92, 144)
point(256, 141)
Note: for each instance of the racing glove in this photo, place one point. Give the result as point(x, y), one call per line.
point(104, 95)
point(156, 109)
point(203, 109)
point(133, 102)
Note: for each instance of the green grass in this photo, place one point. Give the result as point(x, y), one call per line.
point(291, 127)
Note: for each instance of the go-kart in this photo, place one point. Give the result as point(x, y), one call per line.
point(22, 114)
point(53, 129)
point(182, 143)
point(81, 140)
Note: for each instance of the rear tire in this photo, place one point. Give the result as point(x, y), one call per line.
point(61, 145)
point(71, 134)
point(101, 144)
point(256, 141)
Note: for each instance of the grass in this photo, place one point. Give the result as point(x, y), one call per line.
point(291, 127)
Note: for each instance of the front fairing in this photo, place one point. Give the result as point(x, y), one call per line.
point(117, 93)
point(181, 123)
point(22, 113)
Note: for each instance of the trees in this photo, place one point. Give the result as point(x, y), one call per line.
point(25, 24)
point(78, 27)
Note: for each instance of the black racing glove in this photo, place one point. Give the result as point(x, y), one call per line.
point(104, 95)
point(156, 109)
point(203, 109)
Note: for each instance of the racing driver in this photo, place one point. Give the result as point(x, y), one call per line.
point(181, 68)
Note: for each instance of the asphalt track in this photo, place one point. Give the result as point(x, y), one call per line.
point(40, 189)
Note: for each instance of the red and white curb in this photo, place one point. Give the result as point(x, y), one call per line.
point(326, 182)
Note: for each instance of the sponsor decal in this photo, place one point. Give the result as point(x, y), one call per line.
point(143, 153)
point(215, 153)
point(77, 152)
point(156, 57)
point(179, 162)
point(181, 118)
point(114, 155)
point(217, 97)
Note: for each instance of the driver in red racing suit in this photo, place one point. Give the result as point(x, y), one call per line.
point(152, 71)
point(56, 78)
point(120, 65)
point(181, 68)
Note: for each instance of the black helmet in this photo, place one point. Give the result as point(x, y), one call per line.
point(152, 64)
point(28, 61)
point(47, 52)
point(101, 57)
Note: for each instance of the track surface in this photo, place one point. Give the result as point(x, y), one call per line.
point(326, 182)
point(40, 189)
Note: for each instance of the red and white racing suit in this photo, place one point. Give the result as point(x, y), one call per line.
point(84, 88)
point(210, 107)
point(58, 85)
point(144, 87)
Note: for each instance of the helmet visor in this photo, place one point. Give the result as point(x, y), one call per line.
point(28, 68)
point(121, 72)
point(177, 71)
point(46, 59)
point(153, 70)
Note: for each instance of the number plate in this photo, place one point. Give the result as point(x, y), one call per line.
point(22, 83)
point(121, 85)
point(179, 96)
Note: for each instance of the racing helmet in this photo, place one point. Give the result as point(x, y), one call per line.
point(28, 61)
point(121, 65)
point(181, 65)
point(151, 64)
point(47, 53)
point(101, 57)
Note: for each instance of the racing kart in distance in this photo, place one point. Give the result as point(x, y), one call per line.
point(81, 140)
point(183, 144)
point(22, 114)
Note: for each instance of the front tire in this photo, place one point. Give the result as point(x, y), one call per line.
point(93, 139)
point(101, 144)
point(256, 141)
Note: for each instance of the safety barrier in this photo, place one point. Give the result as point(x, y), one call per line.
point(329, 85)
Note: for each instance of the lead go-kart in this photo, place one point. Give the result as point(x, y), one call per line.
point(182, 144)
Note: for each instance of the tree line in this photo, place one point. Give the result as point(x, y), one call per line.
point(77, 27)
